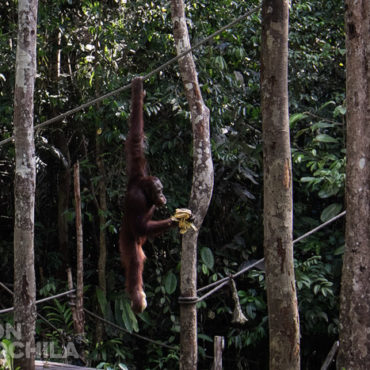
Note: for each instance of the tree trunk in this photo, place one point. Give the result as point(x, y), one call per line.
point(63, 194)
point(354, 349)
point(201, 191)
point(102, 209)
point(80, 322)
point(24, 185)
point(64, 170)
point(278, 225)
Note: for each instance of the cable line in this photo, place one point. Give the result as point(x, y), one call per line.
point(145, 77)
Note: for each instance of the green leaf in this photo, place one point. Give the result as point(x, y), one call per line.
point(308, 179)
point(339, 251)
point(294, 118)
point(170, 282)
point(324, 138)
point(321, 124)
point(327, 193)
point(126, 316)
point(330, 212)
point(331, 102)
point(102, 300)
point(133, 318)
point(339, 110)
point(205, 337)
point(207, 257)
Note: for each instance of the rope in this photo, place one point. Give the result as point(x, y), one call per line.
point(182, 300)
point(43, 318)
point(222, 282)
point(88, 312)
point(319, 227)
point(38, 301)
point(145, 77)
point(113, 325)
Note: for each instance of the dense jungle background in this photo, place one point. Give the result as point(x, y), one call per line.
point(87, 48)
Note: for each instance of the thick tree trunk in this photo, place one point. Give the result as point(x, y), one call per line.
point(278, 243)
point(354, 348)
point(201, 192)
point(24, 185)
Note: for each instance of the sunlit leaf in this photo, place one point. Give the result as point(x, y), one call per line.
point(324, 138)
point(330, 212)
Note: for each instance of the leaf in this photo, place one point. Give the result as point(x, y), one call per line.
point(102, 300)
point(324, 138)
point(205, 337)
point(330, 211)
point(331, 102)
point(327, 193)
point(133, 318)
point(339, 251)
point(170, 282)
point(294, 118)
point(126, 316)
point(207, 257)
point(308, 179)
point(220, 63)
point(321, 124)
point(339, 110)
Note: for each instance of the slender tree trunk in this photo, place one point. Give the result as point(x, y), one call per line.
point(201, 192)
point(63, 194)
point(354, 334)
point(278, 216)
point(80, 322)
point(102, 208)
point(64, 171)
point(24, 184)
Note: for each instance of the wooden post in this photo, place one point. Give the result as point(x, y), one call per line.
point(218, 346)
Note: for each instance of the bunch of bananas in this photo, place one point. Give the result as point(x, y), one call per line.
point(184, 217)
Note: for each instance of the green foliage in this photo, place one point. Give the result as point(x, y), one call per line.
point(318, 156)
point(60, 315)
point(7, 355)
point(102, 45)
point(112, 349)
point(170, 282)
point(207, 259)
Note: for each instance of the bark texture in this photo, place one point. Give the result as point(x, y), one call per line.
point(354, 335)
point(63, 195)
point(80, 316)
point(102, 208)
point(201, 191)
point(278, 217)
point(24, 185)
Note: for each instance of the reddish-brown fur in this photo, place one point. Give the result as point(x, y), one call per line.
point(144, 194)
